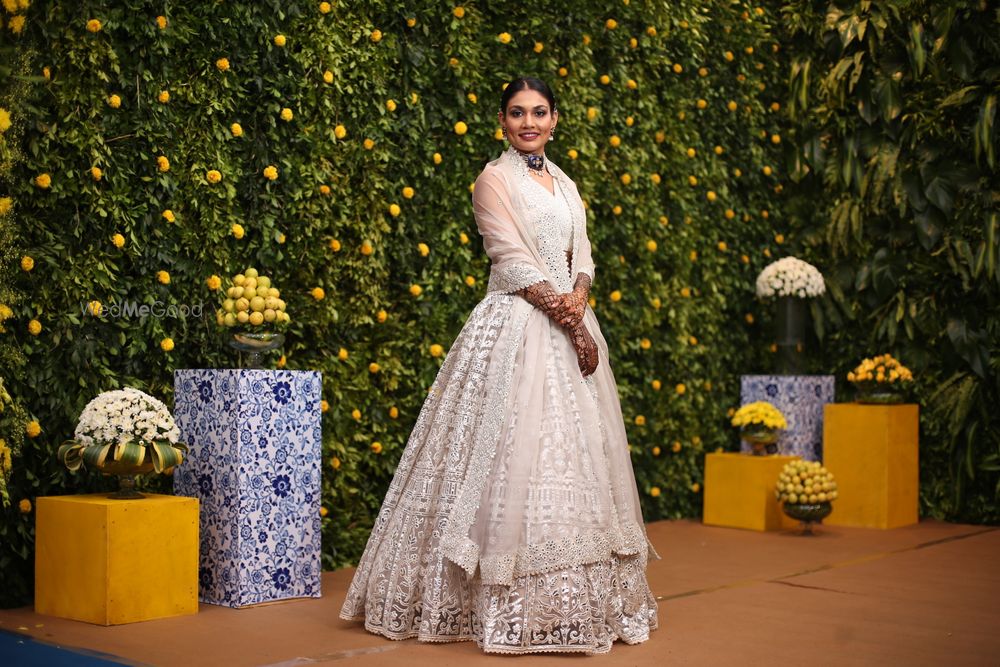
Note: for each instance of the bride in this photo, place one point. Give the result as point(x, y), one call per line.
point(513, 518)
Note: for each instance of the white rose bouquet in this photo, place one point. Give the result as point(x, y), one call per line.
point(131, 426)
point(790, 276)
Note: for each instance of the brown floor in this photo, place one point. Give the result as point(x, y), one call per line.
point(923, 595)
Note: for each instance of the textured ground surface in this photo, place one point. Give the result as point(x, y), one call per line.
point(923, 595)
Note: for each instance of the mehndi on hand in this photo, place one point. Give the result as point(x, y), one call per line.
point(574, 304)
point(586, 350)
point(541, 295)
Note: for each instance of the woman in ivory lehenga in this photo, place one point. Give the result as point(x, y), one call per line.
point(513, 518)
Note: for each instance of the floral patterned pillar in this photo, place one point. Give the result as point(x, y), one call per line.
point(254, 464)
point(801, 399)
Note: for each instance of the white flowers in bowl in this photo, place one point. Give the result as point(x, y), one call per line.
point(790, 276)
point(124, 423)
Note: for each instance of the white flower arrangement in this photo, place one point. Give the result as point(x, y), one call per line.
point(790, 276)
point(125, 415)
point(124, 423)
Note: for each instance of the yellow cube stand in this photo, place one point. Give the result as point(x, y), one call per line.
point(739, 491)
point(110, 561)
point(872, 451)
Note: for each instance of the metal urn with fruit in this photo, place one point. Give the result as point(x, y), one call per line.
point(254, 312)
point(806, 491)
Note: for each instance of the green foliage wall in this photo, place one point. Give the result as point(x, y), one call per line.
point(668, 151)
point(896, 195)
point(860, 135)
point(857, 135)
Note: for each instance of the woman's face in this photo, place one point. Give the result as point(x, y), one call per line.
point(529, 121)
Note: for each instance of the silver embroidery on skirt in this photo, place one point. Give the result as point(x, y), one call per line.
point(585, 591)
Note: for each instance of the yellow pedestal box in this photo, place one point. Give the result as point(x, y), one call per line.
point(872, 451)
point(110, 561)
point(739, 491)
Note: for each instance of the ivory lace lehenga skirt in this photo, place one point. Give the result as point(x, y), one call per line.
point(513, 517)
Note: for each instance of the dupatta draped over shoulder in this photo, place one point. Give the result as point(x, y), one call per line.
point(517, 473)
point(522, 249)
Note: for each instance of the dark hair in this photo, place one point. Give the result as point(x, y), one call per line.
point(526, 83)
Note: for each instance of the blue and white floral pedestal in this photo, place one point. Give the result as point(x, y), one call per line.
point(254, 464)
point(801, 399)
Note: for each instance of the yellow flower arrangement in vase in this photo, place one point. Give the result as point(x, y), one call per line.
point(759, 423)
point(880, 379)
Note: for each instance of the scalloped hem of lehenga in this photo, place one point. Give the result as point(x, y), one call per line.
point(599, 648)
point(608, 601)
point(586, 650)
point(403, 636)
point(589, 650)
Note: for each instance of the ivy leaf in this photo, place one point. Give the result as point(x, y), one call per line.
point(883, 273)
point(929, 223)
point(866, 104)
point(913, 187)
point(863, 277)
point(941, 193)
point(889, 99)
point(970, 345)
point(982, 132)
point(959, 97)
point(918, 55)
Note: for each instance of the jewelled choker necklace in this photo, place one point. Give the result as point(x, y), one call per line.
point(534, 162)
